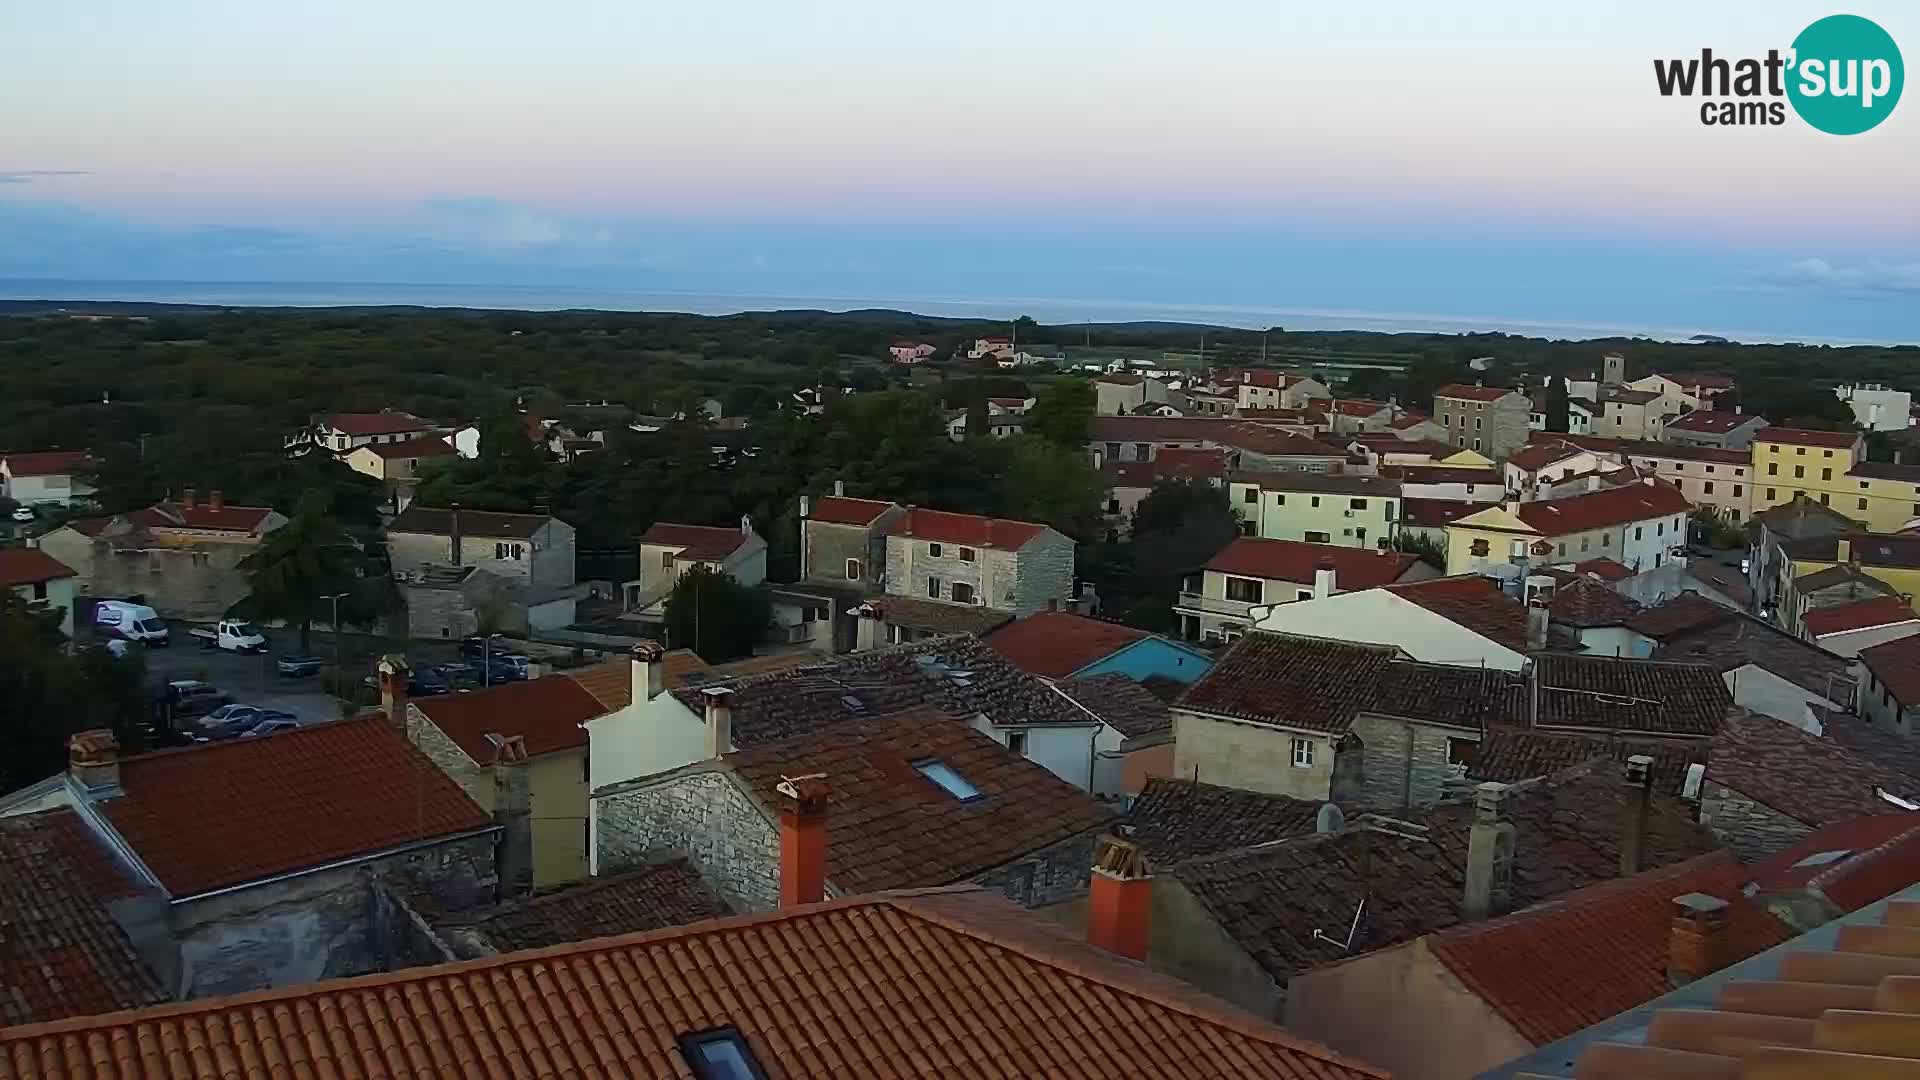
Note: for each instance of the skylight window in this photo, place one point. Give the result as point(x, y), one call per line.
point(720, 1054)
point(1822, 858)
point(947, 779)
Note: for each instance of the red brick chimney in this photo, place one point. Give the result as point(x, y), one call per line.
point(93, 760)
point(187, 498)
point(803, 840)
point(393, 673)
point(1697, 943)
point(216, 499)
point(1120, 899)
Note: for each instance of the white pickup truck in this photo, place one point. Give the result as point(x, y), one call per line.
point(231, 635)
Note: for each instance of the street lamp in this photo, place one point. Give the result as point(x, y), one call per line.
point(335, 625)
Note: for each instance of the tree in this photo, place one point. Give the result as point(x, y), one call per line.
point(1431, 551)
point(1062, 414)
point(301, 566)
point(1559, 407)
point(47, 694)
point(1053, 484)
point(715, 616)
point(1179, 525)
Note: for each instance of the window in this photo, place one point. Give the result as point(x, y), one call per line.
point(933, 550)
point(1638, 531)
point(1771, 494)
point(1243, 590)
point(1113, 506)
point(1800, 450)
point(966, 554)
point(962, 593)
point(1017, 742)
point(1476, 444)
point(1316, 538)
point(1359, 533)
point(1303, 594)
point(1585, 542)
point(933, 587)
point(1823, 499)
point(1863, 504)
point(666, 560)
point(1476, 423)
point(1826, 474)
point(1279, 500)
point(1736, 490)
point(1357, 504)
point(947, 779)
point(1316, 500)
point(1303, 753)
point(1386, 510)
point(1606, 539)
point(1799, 472)
point(39, 590)
point(720, 1054)
point(1480, 548)
point(1460, 751)
point(1707, 488)
point(1709, 468)
point(853, 569)
point(513, 551)
point(1252, 495)
point(1863, 485)
point(1659, 528)
point(1246, 528)
point(1771, 449)
point(1142, 451)
point(1826, 453)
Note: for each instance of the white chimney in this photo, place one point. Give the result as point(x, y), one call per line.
point(839, 489)
point(719, 720)
point(646, 671)
point(1323, 578)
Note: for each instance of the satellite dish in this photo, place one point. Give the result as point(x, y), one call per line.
point(1330, 819)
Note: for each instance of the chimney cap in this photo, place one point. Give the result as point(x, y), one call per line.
point(809, 793)
point(95, 746)
point(648, 652)
point(508, 749)
point(1639, 770)
point(1120, 858)
point(1487, 798)
point(716, 695)
point(1696, 906)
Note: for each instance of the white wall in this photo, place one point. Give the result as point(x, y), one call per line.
point(1615, 641)
point(1770, 695)
point(1849, 643)
point(1066, 752)
point(1378, 617)
point(642, 739)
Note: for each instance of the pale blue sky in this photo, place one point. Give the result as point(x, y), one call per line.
point(1511, 161)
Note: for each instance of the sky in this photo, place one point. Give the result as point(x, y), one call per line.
point(1497, 164)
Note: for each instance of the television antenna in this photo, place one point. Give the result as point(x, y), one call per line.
point(1353, 931)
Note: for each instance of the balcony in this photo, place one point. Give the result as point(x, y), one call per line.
point(1194, 603)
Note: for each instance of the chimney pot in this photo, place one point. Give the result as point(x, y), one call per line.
point(1697, 941)
point(393, 672)
point(1120, 899)
point(216, 499)
point(1639, 792)
point(719, 701)
point(1490, 843)
point(93, 761)
point(647, 672)
point(803, 839)
point(840, 489)
point(188, 496)
point(1325, 578)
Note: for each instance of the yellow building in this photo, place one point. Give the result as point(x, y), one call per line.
point(460, 733)
point(1891, 560)
point(1790, 461)
point(1638, 525)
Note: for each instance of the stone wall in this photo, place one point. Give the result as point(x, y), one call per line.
point(1387, 761)
point(1048, 876)
point(701, 813)
point(1251, 756)
point(196, 583)
point(1752, 830)
point(1042, 571)
point(323, 925)
point(473, 779)
point(830, 545)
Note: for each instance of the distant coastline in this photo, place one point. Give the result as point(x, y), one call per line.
point(18, 293)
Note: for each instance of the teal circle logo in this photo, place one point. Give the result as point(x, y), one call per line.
point(1846, 76)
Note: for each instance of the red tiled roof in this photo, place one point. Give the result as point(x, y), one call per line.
point(1433, 513)
point(1295, 561)
point(1472, 393)
point(1410, 420)
point(63, 954)
point(1313, 684)
point(889, 827)
point(173, 515)
point(1603, 568)
point(696, 541)
point(1473, 602)
point(1584, 602)
point(1604, 509)
point(1055, 644)
point(1442, 474)
point(970, 529)
point(48, 462)
point(1537, 455)
point(840, 510)
point(436, 521)
point(1177, 464)
point(380, 423)
point(413, 448)
point(29, 566)
point(1838, 440)
point(1897, 665)
point(228, 813)
point(1851, 863)
point(547, 712)
point(942, 982)
point(1393, 444)
point(1221, 431)
point(1576, 960)
point(1351, 406)
point(1860, 615)
point(1708, 421)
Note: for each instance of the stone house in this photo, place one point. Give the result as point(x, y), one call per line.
point(1487, 419)
point(183, 556)
point(343, 432)
point(463, 733)
point(1720, 430)
point(1768, 784)
point(468, 571)
point(397, 464)
point(912, 799)
point(843, 561)
point(961, 572)
point(262, 848)
point(669, 549)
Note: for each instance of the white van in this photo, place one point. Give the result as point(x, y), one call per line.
point(134, 622)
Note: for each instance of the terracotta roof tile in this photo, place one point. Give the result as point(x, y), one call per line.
point(651, 898)
point(429, 521)
point(840, 510)
point(889, 827)
point(1897, 665)
point(1604, 509)
point(1849, 863)
point(698, 542)
point(1684, 613)
point(171, 515)
point(1604, 568)
point(1728, 581)
point(1306, 683)
point(1836, 440)
point(946, 983)
point(48, 462)
point(1055, 644)
point(969, 529)
point(380, 423)
point(1709, 421)
point(1510, 754)
point(1291, 560)
point(1815, 781)
point(1473, 602)
point(1539, 455)
point(1384, 486)
point(547, 712)
point(1584, 956)
point(1176, 820)
point(1584, 602)
point(427, 447)
point(936, 617)
point(1436, 513)
point(29, 566)
point(1239, 434)
point(61, 952)
point(1648, 451)
point(1472, 393)
point(1650, 697)
point(228, 813)
point(1124, 705)
point(1741, 640)
point(1410, 869)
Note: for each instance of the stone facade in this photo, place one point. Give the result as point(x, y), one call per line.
point(1020, 581)
point(1042, 571)
point(1494, 428)
point(831, 546)
point(1257, 757)
point(1048, 876)
point(701, 813)
point(1405, 764)
point(181, 580)
point(544, 561)
point(1752, 830)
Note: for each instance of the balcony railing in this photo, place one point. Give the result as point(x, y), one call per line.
point(1210, 605)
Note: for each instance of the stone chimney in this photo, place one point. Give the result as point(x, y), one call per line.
point(1120, 899)
point(513, 812)
point(1489, 855)
point(1539, 619)
point(719, 701)
point(93, 761)
point(453, 534)
point(188, 497)
point(393, 673)
point(216, 499)
point(1324, 578)
point(1697, 942)
point(803, 839)
point(839, 489)
point(647, 671)
point(1633, 815)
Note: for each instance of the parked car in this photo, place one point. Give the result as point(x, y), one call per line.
point(241, 721)
point(23, 514)
point(271, 726)
point(473, 648)
point(294, 667)
point(427, 682)
point(134, 622)
point(186, 698)
point(231, 635)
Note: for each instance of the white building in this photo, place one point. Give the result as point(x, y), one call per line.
point(1876, 407)
point(46, 477)
point(1422, 620)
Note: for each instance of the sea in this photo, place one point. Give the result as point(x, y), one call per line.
point(1049, 310)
